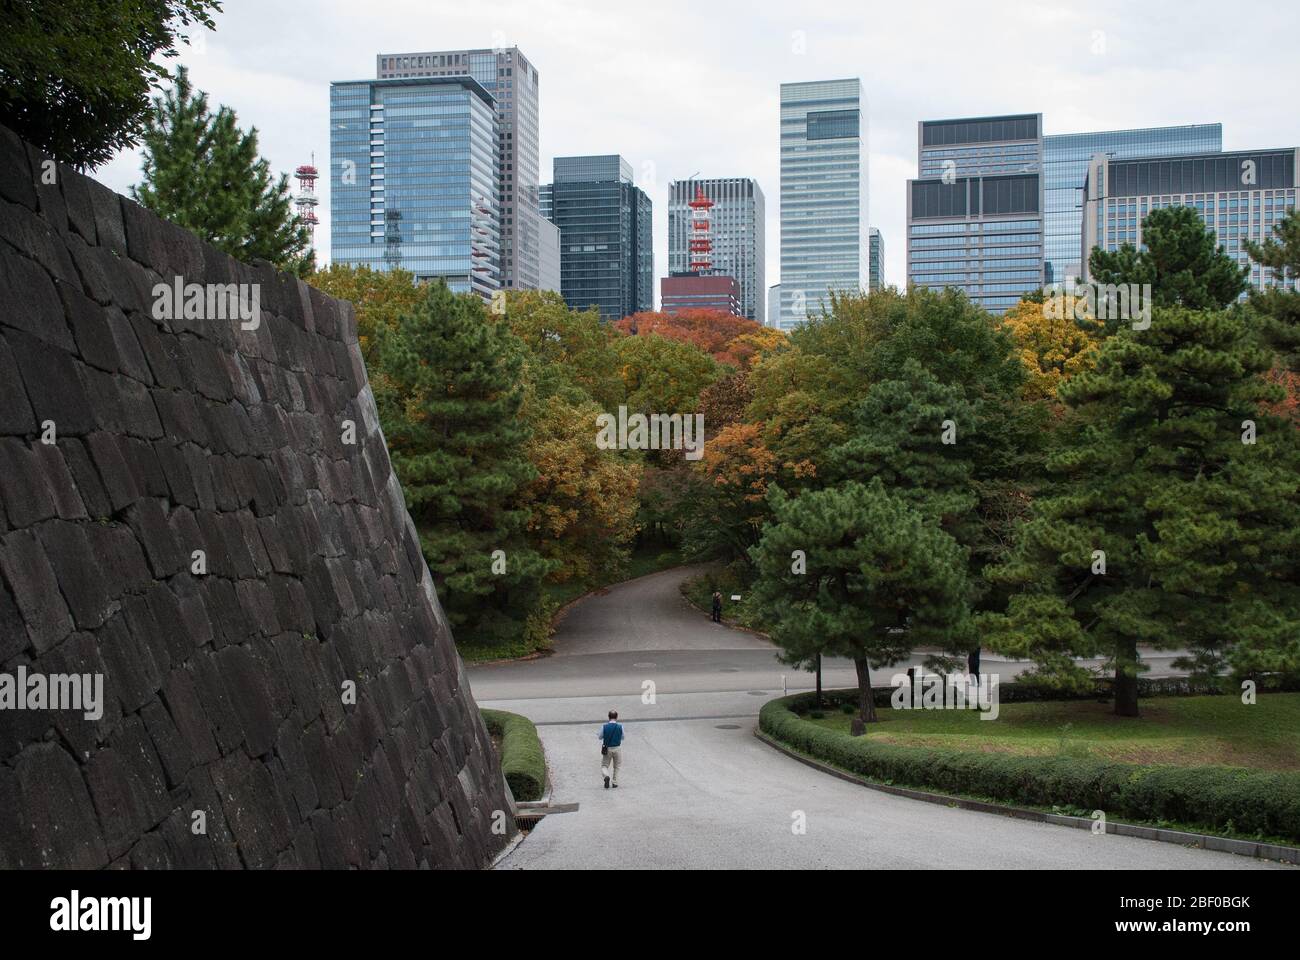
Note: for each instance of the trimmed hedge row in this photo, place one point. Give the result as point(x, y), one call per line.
point(1215, 798)
point(522, 760)
point(1015, 692)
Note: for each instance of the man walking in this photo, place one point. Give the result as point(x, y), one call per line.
point(611, 742)
point(717, 606)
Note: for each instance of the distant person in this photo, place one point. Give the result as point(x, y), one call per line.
point(717, 606)
point(611, 744)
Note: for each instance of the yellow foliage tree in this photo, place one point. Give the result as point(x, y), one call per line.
point(749, 348)
point(1052, 346)
point(583, 502)
point(378, 296)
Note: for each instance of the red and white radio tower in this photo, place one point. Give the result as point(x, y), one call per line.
point(306, 199)
point(701, 246)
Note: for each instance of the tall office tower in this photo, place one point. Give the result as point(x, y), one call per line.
point(736, 231)
point(413, 179)
point(606, 242)
point(876, 270)
point(1240, 196)
point(824, 224)
point(549, 248)
point(975, 215)
point(773, 306)
point(1065, 164)
point(512, 81)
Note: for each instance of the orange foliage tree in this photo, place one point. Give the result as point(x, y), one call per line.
point(737, 469)
point(710, 330)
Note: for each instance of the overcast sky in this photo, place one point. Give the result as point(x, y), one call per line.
point(684, 87)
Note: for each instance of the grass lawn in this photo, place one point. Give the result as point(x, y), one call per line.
point(1175, 731)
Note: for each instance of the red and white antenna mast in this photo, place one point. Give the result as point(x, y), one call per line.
point(701, 247)
point(306, 200)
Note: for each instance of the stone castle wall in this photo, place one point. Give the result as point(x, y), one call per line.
point(225, 690)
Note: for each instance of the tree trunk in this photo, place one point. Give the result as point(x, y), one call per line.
point(1126, 684)
point(973, 663)
point(819, 679)
point(866, 703)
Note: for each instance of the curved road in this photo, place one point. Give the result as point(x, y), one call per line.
point(700, 791)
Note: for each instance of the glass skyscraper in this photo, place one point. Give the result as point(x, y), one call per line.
point(1065, 165)
point(876, 274)
point(824, 223)
point(736, 225)
point(413, 179)
point(975, 214)
point(606, 239)
point(1240, 195)
point(512, 80)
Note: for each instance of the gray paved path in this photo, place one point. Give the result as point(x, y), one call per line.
point(699, 791)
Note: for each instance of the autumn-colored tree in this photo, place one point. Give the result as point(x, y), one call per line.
point(567, 348)
point(737, 469)
point(583, 501)
point(804, 403)
point(710, 330)
point(1289, 406)
point(379, 297)
point(725, 401)
point(1275, 315)
point(666, 493)
point(662, 375)
point(1051, 345)
point(748, 348)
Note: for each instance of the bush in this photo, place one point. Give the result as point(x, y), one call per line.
point(522, 760)
point(1260, 804)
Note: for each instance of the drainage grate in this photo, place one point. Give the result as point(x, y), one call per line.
point(757, 693)
point(644, 666)
point(726, 726)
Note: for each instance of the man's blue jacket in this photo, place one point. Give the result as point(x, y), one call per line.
point(611, 734)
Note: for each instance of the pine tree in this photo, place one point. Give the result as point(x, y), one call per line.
point(202, 172)
point(449, 403)
point(1163, 527)
point(1278, 307)
point(950, 374)
point(853, 571)
point(1180, 259)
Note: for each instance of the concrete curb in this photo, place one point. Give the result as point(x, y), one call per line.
point(1245, 848)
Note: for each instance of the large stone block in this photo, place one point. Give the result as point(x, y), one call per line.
point(29, 300)
point(48, 819)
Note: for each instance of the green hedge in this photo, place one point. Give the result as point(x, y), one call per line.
point(1013, 691)
point(522, 760)
point(1257, 804)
